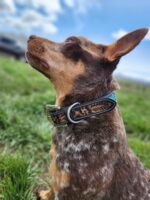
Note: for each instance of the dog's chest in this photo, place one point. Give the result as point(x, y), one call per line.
point(87, 163)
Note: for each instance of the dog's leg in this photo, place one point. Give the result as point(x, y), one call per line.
point(46, 195)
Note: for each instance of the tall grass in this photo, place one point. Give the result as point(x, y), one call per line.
point(17, 179)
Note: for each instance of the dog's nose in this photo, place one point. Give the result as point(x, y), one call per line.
point(32, 37)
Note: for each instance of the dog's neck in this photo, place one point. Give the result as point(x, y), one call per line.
point(86, 91)
point(104, 127)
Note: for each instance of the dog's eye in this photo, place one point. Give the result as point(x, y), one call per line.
point(72, 43)
point(102, 48)
point(72, 48)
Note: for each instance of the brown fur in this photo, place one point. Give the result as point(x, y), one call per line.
point(59, 177)
point(51, 52)
point(90, 160)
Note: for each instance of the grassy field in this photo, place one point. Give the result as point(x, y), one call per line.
point(25, 133)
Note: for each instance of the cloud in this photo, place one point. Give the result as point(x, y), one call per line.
point(38, 21)
point(7, 6)
point(148, 35)
point(48, 5)
point(29, 18)
point(82, 6)
point(20, 23)
point(118, 34)
point(70, 3)
point(121, 32)
point(79, 9)
point(38, 16)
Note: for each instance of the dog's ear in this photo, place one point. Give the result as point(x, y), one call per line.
point(125, 44)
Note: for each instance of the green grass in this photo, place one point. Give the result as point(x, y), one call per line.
point(142, 149)
point(25, 132)
point(134, 101)
point(17, 179)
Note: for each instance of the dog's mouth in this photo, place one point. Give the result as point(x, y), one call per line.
point(31, 59)
point(38, 63)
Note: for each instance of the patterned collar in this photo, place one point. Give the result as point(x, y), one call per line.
point(77, 112)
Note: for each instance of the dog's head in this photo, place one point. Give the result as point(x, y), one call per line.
point(79, 67)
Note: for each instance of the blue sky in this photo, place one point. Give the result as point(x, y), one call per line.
point(100, 20)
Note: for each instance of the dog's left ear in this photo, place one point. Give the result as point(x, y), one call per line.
point(125, 44)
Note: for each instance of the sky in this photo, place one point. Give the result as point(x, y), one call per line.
point(102, 21)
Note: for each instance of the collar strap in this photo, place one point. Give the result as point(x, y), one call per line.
point(77, 112)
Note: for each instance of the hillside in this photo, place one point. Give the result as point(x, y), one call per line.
point(25, 132)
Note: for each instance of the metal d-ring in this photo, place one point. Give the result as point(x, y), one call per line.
point(69, 111)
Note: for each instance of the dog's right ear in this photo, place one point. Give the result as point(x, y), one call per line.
point(125, 44)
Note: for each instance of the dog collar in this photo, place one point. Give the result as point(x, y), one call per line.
point(77, 112)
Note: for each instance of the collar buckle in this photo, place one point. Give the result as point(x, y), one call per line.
point(69, 113)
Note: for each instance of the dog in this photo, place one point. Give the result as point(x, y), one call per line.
point(90, 157)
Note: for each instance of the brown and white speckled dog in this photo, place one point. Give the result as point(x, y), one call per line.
point(89, 160)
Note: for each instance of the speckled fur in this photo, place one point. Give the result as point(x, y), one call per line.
point(94, 154)
point(99, 161)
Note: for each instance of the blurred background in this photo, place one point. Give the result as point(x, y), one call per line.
point(25, 133)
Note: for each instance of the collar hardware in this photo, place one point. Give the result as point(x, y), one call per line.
point(77, 112)
point(69, 113)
